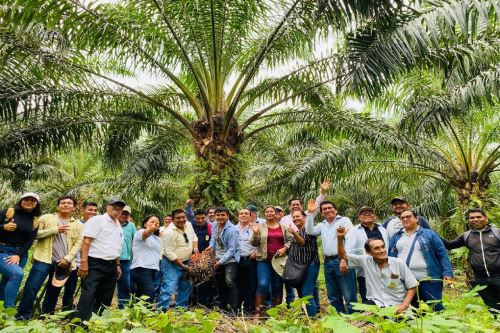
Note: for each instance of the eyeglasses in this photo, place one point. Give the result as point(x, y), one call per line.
point(185, 237)
point(406, 217)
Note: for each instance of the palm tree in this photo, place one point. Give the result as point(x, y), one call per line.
point(224, 71)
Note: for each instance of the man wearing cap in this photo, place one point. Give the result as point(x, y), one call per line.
point(254, 214)
point(129, 229)
point(393, 224)
point(59, 239)
point(280, 213)
point(178, 242)
point(367, 229)
point(389, 281)
point(100, 260)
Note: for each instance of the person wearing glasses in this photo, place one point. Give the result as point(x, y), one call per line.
point(100, 259)
point(179, 242)
point(367, 229)
point(424, 253)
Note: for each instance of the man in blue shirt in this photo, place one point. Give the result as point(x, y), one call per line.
point(340, 281)
point(224, 243)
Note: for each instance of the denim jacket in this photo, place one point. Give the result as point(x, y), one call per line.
point(435, 255)
point(229, 238)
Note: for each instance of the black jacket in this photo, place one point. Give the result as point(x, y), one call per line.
point(484, 251)
point(24, 235)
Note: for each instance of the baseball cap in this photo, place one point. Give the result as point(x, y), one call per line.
point(30, 195)
point(127, 209)
point(403, 199)
point(61, 274)
point(252, 208)
point(117, 202)
point(279, 208)
point(366, 209)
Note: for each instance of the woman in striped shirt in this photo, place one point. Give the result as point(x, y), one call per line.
point(304, 250)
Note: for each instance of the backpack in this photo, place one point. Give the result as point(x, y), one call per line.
point(494, 230)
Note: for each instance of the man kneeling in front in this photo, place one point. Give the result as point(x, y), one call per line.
point(388, 280)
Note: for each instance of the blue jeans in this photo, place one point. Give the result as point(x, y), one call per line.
point(308, 288)
point(340, 288)
point(12, 275)
point(430, 291)
point(174, 279)
point(38, 274)
point(266, 276)
point(362, 289)
point(123, 284)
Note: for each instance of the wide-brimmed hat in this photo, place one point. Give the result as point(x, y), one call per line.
point(61, 274)
point(278, 264)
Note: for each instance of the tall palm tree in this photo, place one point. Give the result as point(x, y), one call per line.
point(224, 71)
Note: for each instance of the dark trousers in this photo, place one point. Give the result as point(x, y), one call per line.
point(97, 288)
point(143, 282)
point(123, 284)
point(52, 294)
point(247, 283)
point(430, 291)
point(38, 274)
point(203, 294)
point(226, 279)
point(491, 294)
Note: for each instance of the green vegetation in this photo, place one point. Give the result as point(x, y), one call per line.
point(463, 314)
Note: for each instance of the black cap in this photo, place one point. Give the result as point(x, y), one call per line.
point(403, 199)
point(117, 202)
point(366, 209)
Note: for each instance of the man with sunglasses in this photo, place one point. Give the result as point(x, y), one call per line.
point(179, 241)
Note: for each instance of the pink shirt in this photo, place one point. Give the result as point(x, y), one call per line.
point(275, 241)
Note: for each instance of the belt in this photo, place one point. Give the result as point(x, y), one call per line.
point(102, 260)
point(331, 257)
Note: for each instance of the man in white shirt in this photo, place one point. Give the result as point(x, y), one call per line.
point(100, 259)
point(340, 282)
point(179, 240)
point(389, 281)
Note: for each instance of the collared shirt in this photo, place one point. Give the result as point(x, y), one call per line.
point(304, 254)
point(373, 233)
point(287, 220)
point(107, 237)
point(146, 252)
point(387, 286)
point(174, 242)
point(129, 230)
point(228, 248)
point(203, 235)
point(362, 234)
point(328, 232)
point(245, 239)
point(79, 253)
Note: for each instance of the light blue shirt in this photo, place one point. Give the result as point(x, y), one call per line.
point(245, 240)
point(146, 252)
point(128, 235)
point(229, 238)
point(328, 232)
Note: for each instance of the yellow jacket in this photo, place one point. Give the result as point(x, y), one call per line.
point(47, 228)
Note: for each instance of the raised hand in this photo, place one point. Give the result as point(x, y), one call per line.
point(341, 231)
point(311, 205)
point(325, 186)
point(189, 202)
point(255, 227)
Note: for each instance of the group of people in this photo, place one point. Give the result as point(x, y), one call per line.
point(397, 263)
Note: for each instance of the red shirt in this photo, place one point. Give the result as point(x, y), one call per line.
point(274, 241)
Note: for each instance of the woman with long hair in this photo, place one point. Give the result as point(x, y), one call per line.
point(146, 255)
point(18, 228)
point(271, 239)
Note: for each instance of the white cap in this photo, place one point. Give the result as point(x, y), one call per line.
point(127, 209)
point(30, 195)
